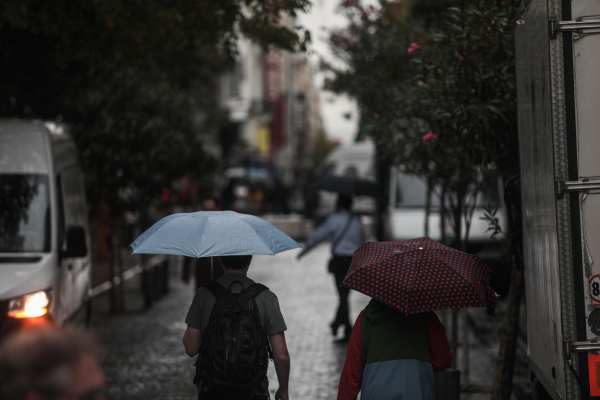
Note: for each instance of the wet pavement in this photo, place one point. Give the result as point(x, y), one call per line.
point(145, 358)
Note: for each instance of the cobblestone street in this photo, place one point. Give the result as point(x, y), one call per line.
point(145, 357)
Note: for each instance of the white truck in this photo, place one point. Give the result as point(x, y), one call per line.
point(558, 85)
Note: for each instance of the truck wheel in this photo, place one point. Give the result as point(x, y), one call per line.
point(538, 392)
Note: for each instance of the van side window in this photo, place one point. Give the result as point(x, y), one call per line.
point(75, 210)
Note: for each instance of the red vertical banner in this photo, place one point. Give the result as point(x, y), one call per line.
point(272, 96)
point(271, 76)
point(594, 370)
point(278, 124)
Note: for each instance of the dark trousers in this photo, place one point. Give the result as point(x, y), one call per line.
point(263, 387)
point(342, 317)
point(253, 397)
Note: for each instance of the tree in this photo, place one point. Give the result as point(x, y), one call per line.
point(406, 89)
point(134, 79)
point(440, 93)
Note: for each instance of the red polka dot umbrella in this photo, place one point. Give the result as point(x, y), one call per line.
point(420, 275)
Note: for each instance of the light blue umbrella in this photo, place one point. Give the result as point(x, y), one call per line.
point(212, 233)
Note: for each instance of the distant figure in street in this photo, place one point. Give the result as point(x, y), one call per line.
point(206, 269)
point(346, 230)
point(222, 318)
point(393, 356)
point(50, 364)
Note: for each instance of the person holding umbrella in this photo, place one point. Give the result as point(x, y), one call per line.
point(393, 356)
point(234, 324)
point(201, 315)
point(398, 341)
point(347, 232)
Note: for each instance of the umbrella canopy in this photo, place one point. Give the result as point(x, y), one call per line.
point(212, 233)
point(348, 185)
point(420, 275)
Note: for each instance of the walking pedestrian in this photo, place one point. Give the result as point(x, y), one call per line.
point(347, 232)
point(221, 319)
point(50, 363)
point(393, 356)
point(205, 268)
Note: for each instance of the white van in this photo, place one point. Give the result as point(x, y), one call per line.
point(406, 212)
point(45, 267)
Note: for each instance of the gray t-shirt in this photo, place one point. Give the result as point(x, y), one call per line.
point(268, 305)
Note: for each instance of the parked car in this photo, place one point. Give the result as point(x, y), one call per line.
point(45, 266)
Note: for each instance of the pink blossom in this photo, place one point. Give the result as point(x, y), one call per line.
point(420, 82)
point(504, 3)
point(414, 47)
point(429, 138)
point(461, 58)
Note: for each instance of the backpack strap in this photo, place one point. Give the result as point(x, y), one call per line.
point(255, 289)
point(216, 289)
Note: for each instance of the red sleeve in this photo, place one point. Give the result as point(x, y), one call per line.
point(439, 348)
point(351, 379)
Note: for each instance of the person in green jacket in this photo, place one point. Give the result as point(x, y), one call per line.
point(393, 356)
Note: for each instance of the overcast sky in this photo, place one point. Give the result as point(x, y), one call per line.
point(321, 17)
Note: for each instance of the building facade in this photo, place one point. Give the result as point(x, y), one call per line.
point(273, 110)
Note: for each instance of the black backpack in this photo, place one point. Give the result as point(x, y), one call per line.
point(235, 351)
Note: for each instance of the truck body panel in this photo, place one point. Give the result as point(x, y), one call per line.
point(558, 92)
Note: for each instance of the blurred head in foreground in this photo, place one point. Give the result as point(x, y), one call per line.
point(50, 363)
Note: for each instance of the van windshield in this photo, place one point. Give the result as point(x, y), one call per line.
point(24, 213)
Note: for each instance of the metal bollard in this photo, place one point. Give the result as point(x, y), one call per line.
point(156, 292)
point(166, 276)
point(147, 288)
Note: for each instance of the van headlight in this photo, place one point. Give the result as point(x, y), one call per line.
point(29, 306)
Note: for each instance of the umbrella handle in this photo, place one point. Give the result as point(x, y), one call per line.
point(212, 273)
